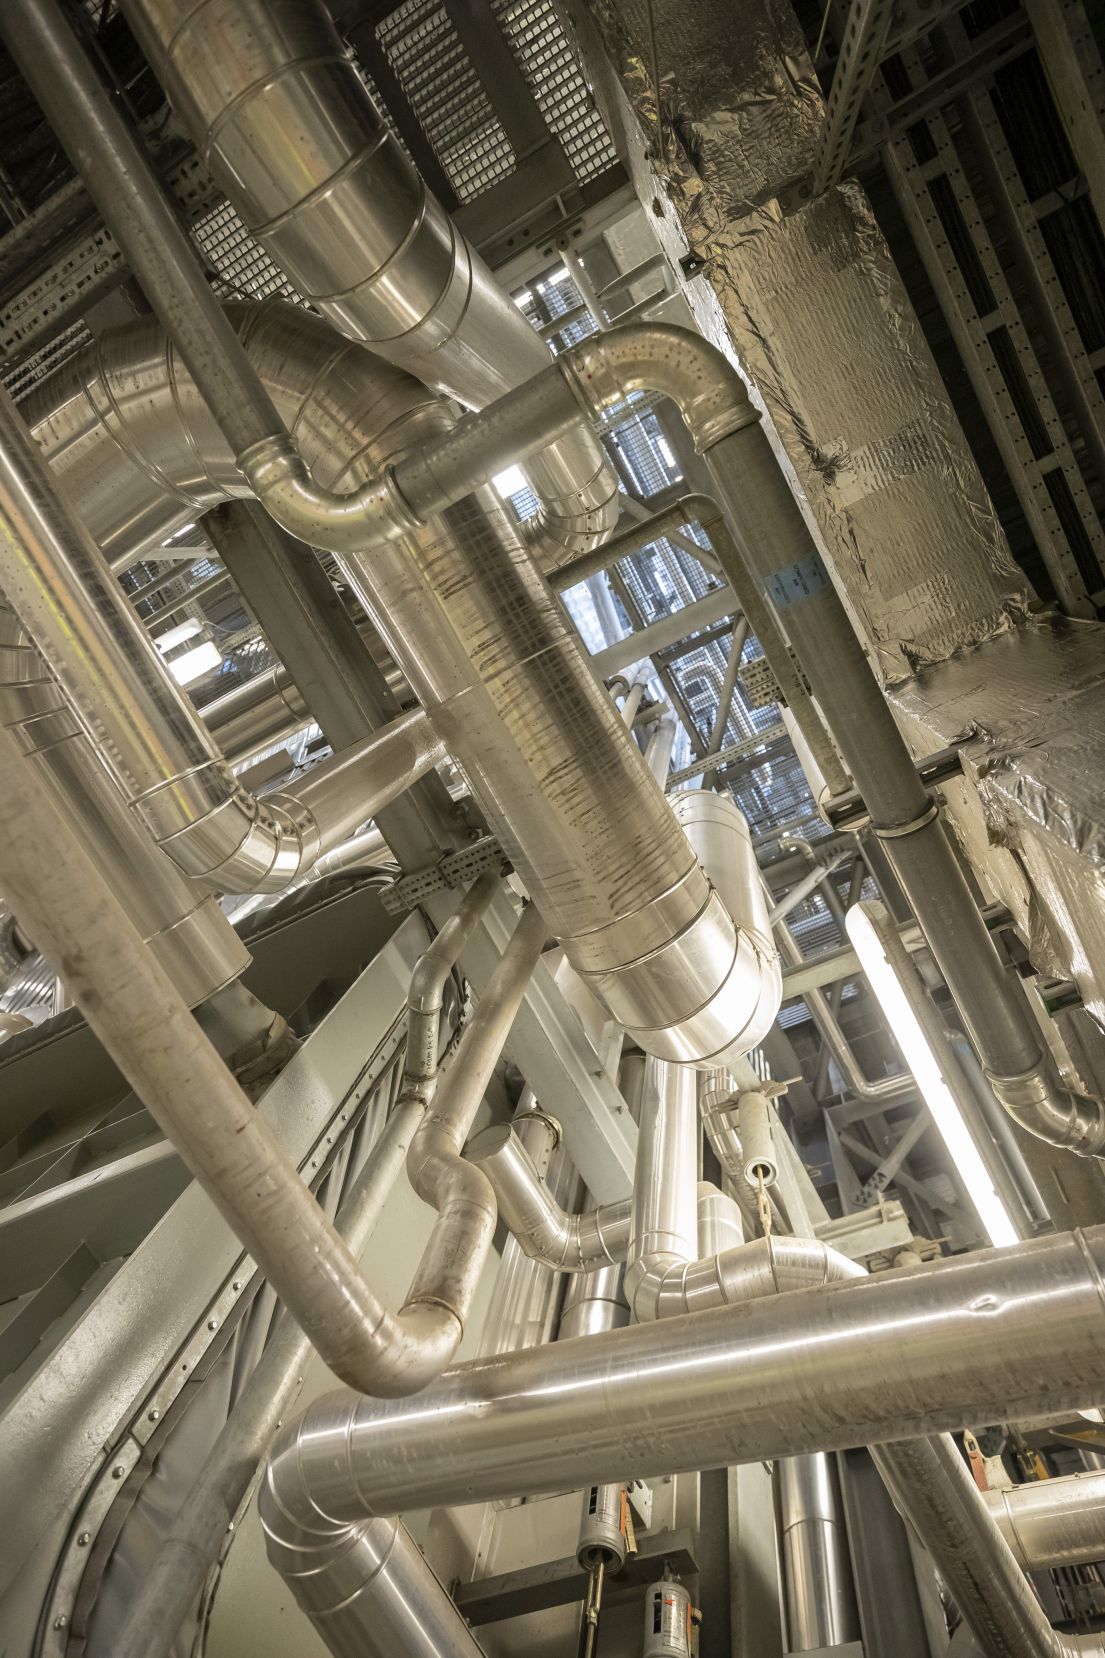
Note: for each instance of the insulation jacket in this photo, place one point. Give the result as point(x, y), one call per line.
point(344, 212)
point(487, 649)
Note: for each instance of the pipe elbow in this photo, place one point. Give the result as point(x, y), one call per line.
point(651, 356)
point(1034, 1100)
point(372, 512)
point(574, 518)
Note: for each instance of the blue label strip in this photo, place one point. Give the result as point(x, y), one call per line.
point(796, 583)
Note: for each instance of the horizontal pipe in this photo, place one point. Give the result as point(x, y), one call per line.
point(997, 1336)
point(1053, 1524)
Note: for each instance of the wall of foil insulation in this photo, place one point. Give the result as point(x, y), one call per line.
point(816, 313)
point(813, 309)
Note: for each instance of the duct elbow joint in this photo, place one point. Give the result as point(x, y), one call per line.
point(706, 389)
point(277, 475)
point(1035, 1100)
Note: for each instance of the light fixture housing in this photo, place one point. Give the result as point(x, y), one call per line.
point(914, 1025)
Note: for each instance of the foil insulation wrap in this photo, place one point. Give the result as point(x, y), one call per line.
point(811, 308)
point(1027, 712)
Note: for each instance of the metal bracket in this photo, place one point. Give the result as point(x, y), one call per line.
point(454, 870)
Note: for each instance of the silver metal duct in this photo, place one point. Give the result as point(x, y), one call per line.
point(663, 1234)
point(820, 1600)
point(715, 407)
point(543, 1229)
point(1053, 1523)
point(995, 1336)
point(181, 923)
point(375, 1595)
point(488, 651)
point(167, 768)
point(344, 213)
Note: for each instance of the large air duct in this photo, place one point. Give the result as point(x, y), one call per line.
point(489, 652)
point(341, 207)
point(344, 212)
point(999, 1336)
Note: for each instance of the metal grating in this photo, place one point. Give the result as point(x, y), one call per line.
point(443, 89)
point(554, 74)
point(244, 269)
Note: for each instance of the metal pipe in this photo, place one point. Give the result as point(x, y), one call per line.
point(663, 1235)
point(490, 655)
point(720, 1221)
point(996, 1336)
point(181, 923)
point(713, 402)
point(1053, 1523)
point(519, 1313)
point(545, 1231)
point(817, 1580)
point(376, 1595)
point(169, 771)
point(344, 195)
point(809, 883)
point(426, 991)
point(142, 1021)
point(431, 1322)
point(191, 1545)
point(934, 1487)
point(635, 538)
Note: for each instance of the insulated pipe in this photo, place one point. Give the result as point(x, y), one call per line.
point(663, 1233)
point(597, 375)
point(928, 1478)
point(376, 1595)
point(199, 1529)
point(132, 1006)
point(426, 301)
point(168, 769)
point(432, 1320)
point(1001, 1335)
point(820, 1599)
point(1056, 1523)
point(519, 1310)
point(720, 1222)
point(181, 923)
point(488, 651)
point(426, 991)
point(532, 1215)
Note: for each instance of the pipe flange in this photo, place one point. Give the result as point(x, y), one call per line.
point(898, 830)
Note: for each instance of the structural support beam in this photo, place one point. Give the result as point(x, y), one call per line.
point(703, 613)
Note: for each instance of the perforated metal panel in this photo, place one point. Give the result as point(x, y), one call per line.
point(443, 90)
point(554, 74)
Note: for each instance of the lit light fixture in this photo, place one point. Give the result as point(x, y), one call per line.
point(172, 637)
point(193, 664)
point(908, 1011)
point(511, 482)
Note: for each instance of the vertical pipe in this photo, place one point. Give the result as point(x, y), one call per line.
point(817, 1575)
